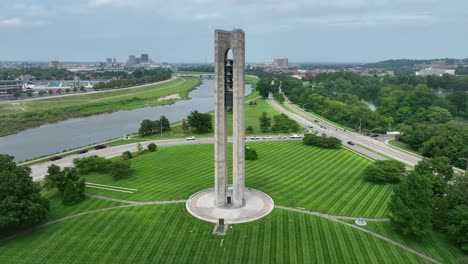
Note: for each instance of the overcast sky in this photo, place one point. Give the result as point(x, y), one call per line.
point(183, 30)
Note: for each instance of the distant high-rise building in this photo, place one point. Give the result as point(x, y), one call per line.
point(281, 62)
point(144, 58)
point(131, 60)
point(137, 60)
point(54, 64)
point(109, 62)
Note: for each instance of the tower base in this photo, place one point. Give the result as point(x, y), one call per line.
point(257, 205)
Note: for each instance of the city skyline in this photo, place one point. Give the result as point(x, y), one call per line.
point(315, 31)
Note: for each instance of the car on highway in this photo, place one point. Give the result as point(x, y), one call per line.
point(316, 121)
point(82, 151)
point(190, 138)
point(374, 135)
point(295, 136)
point(54, 158)
point(351, 143)
point(254, 137)
point(281, 137)
point(267, 137)
point(100, 146)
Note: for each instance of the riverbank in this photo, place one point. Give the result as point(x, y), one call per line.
point(52, 110)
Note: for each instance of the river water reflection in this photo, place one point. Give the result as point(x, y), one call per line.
point(83, 131)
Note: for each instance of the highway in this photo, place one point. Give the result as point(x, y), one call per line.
point(363, 144)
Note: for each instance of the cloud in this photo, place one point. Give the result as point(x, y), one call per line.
point(113, 4)
point(208, 16)
point(11, 22)
point(30, 10)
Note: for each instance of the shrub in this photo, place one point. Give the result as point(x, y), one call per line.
point(119, 169)
point(126, 155)
point(152, 147)
point(74, 192)
point(91, 164)
point(250, 154)
point(323, 142)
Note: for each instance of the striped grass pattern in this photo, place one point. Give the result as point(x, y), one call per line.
point(167, 234)
point(327, 181)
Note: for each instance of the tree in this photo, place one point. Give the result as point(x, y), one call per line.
point(152, 147)
point(458, 227)
point(140, 148)
point(119, 169)
point(250, 154)
point(146, 128)
point(74, 192)
point(323, 142)
point(29, 93)
point(249, 130)
point(185, 126)
point(21, 203)
point(165, 124)
point(200, 122)
point(265, 122)
point(383, 171)
point(440, 171)
point(411, 205)
point(91, 164)
point(58, 179)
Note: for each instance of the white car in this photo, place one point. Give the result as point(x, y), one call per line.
point(296, 136)
point(266, 137)
point(281, 137)
point(190, 138)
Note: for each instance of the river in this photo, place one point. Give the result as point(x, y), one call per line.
point(78, 132)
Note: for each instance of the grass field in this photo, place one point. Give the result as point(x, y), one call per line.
point(327, 181)
point(50, 110)
point(167, 234)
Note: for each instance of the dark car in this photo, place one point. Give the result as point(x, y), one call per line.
point(53, 158)
point(100, 147)
point(316, 121)
point(374, 135)
point(351, 143)
point(82, 151)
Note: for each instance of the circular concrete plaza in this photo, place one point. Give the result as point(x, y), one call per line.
point(257, 205)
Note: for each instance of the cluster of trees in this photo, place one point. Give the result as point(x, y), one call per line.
point(279, 123)
point(21, 203)
point(384, 171)
point(432, 198)
point(200, 122)
point(148, 76)
point(323, 142)
point(149, 127)
point(68, 183)
point(118, 169)
point(201, 68)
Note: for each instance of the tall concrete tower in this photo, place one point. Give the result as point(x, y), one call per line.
point(229, 93)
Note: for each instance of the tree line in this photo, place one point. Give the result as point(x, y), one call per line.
point(144, 77)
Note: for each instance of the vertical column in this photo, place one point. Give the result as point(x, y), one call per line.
point(221, 41)
point(238, 48)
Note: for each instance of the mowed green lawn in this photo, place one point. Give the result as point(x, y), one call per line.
point(168, 234)
point(179, 85)
point(295, 175)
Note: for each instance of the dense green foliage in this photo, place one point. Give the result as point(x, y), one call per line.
point(323, 142)
point(149, 76)
point(200, 122)
point(21, 203)
point(282, 123)
point(151, 127)
point(384, 171)
point(250, 154)
point(126, 155)
point(411, 205)
point(201, 68)
point(119, 169)
point(152, 147)
point(265, 122)
point(67, 181)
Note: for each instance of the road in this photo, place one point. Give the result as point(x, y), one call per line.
point(363, 144)
point(40, 170)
